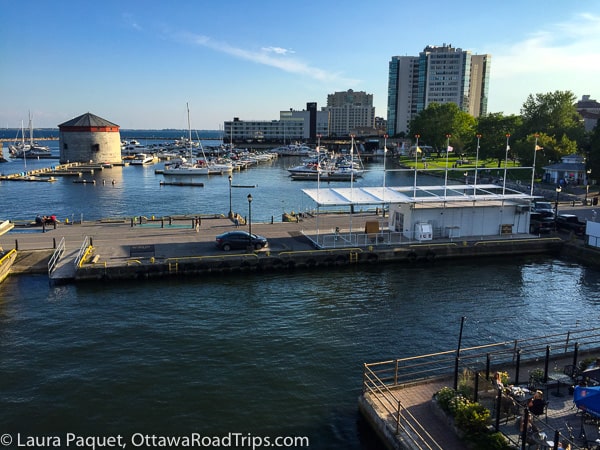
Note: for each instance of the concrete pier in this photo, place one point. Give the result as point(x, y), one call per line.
point(176, 249)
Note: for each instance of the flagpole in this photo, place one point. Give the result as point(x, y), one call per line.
point(476, 165)
point(448, 136)
point(385, 136)
point(505, 165)
point(417, 136)
point(535, 149)
point(318, 166)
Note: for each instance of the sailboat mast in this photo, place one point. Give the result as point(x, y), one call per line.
point(189, 129)
point(30, 130)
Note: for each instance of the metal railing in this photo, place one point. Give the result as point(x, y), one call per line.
point(383, 380)
point(404, 422)
point(85, 245)
point(55, 258)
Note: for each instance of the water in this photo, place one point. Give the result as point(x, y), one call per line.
point(263, 355)
point(137, 191)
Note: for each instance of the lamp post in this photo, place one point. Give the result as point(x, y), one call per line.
point(558, 189)
point(249, 221)
point(230, 209)
point(587, 184)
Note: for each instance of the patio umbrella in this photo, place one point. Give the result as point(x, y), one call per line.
point(593, 373)
point(588, 399)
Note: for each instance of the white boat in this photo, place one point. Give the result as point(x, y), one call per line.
point(133, 148)
point(198, 167)
point(333, 174)
point(142, 159)
point(294, 150)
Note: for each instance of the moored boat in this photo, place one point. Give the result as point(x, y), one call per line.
point(200, 166)
point(142, 159)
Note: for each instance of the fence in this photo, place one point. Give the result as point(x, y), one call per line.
point(470, 369)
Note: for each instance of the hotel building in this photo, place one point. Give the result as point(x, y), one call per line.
point(438, 75)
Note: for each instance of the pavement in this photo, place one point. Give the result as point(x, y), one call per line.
point(114, 240)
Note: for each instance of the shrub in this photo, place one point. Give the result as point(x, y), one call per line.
point(472, 418)
point(444, 396)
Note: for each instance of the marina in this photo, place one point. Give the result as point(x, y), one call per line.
point(306, 316)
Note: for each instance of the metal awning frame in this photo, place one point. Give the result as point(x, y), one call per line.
point(412, 194)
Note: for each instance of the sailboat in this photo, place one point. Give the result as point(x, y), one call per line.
point(198, 167)
point(30, 150)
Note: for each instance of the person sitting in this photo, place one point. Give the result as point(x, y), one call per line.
point(39, 220)
point(536, 404)
point(497, 381)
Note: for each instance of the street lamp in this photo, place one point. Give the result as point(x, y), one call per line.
point(558, 189)
point(230, 209)
point(587, 184)
point(249, 220)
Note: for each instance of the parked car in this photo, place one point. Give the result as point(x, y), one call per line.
point(539, 224)
point(570, 222)
point(240, 239)
point(544, 208)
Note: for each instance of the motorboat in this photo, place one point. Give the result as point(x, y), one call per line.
point(133, 147)
point(142, 159)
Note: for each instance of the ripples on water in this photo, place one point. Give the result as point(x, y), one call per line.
point(266, 354)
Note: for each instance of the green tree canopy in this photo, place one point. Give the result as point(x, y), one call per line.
point(438, 120)
point(554, 114)
point(493, 129)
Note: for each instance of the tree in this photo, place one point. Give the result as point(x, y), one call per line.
point(554, 114)
point(593, 152)
point(438, 120)
point(493, 129)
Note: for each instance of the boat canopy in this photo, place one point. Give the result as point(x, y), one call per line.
point(412, 194)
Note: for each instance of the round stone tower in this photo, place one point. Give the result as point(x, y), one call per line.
point(89, 138)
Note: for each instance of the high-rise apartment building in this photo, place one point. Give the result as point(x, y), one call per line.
point(438, 75)
point(349, 110)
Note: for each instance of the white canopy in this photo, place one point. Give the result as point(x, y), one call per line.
point(410, 194)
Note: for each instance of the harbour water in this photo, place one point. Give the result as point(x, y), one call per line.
point(264, 355)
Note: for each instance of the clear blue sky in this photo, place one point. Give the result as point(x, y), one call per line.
point(137, 63)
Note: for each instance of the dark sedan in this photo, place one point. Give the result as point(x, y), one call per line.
point(240, 240)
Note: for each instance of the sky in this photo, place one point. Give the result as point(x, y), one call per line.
point(138, 63)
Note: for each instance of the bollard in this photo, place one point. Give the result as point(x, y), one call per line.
point(162, 222)
point(132, 222)
point(44, 226)
point(91, 242)
point(54, 243)
point(54, 224)
point(16, 244)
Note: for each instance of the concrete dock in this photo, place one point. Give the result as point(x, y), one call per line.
point(127, 249)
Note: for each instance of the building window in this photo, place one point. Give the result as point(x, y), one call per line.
point(95, 147)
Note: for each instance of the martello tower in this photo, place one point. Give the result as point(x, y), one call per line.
point(89, 138)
